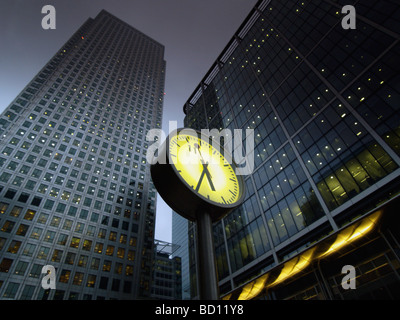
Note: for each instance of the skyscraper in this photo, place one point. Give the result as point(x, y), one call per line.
point(324, 105)
point(75, 187)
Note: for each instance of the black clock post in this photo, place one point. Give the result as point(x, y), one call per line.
point(208, 280)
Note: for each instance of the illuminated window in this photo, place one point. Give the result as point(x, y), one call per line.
point(36, 233)
point(57, 254)
point(129, 270)
point(98, 247)
point(3, 207)
point(14, 246)
point(121, 253)
point(29, 215)
point(43, 252)
point(107, 266)
point(64, 276)
point(91, 280)
point(110, 250)
point(49, 236)
point(22, 229)
point(131, 255)
point(7, 226)
point(75, 242)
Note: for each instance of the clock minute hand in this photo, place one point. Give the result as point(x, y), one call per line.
point(197, 146)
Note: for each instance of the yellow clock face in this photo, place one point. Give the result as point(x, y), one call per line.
point(204, 169)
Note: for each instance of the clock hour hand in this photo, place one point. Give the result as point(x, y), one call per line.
point(208, 174)
point(200, 180)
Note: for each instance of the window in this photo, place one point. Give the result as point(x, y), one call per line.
point(55, 221)
point(7, 226)
point(129, 270)
point(49, 236)
point(121, 253)
point(22, 229)
point(102, 233)
point(5, 265)
point(75, 242)
point(43, 252)
point(64, 276)
point(11, 290)
point(35, 271)
point(10, 194)
point(48, 204)
point(82, 262)
point(70, 258)
point(36, 233)
point(27, 293)
point(98, 247)
point(36, 200)
point(95, 263)
point(21, 268)
point(67, 224)
point(29, 249)
point(103, 283)
point(14, 246)
point(107, 266)
point(131, 255)
point(15, 212)
point(3, 207)
point(115, 285)
point(62, 239)
point(91, 280)
point(87, 245)
point(30, 185)
point(112, 236)
point(78, 278)
point(57, 254)
point(42, 218)
point(110, 250)
point(61, 208)
point(29, 214)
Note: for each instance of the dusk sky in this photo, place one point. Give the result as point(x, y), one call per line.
point(194, 32)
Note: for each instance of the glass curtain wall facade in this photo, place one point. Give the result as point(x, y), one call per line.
point(324, 105)
point(75, 189)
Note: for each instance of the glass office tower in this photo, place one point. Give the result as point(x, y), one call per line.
point(75, 186)
point(324, 105)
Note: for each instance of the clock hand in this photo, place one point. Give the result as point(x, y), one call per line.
point(204, 163)
point(205, 170)
point(208, 174)
point(200, 180)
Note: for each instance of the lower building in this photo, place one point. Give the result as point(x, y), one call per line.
point(180, 234)
point(360, 261)
point(167, 279)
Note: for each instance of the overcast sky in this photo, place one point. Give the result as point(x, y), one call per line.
point(194, 32)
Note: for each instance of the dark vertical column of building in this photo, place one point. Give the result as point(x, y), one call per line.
point(75, 185)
